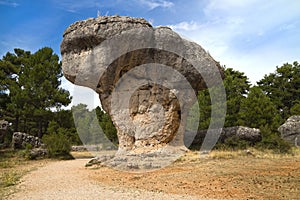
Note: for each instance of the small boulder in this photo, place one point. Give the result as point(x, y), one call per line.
point(290, 130)
point(38, 153)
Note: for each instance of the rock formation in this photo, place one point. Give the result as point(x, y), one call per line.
point(290, 130)
point(3, 130)
point(119, 58)
point(251, 135)
point(21, 140)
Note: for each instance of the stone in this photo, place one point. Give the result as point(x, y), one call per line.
point(21, 140)
point(252, 135)
point(36, 153)
point(3, 130)
point(149, 115)
point(78, 148)
point(290, 130)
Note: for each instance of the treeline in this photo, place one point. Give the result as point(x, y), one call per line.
point(32, 99)
point(265, 105)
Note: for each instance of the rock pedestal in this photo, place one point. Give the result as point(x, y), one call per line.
point(147, 78)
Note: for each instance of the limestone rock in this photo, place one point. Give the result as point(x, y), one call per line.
point(290, 130)
point(102, 54)
point(251, 135)
point(3, 130)
point(78, 148)
point(36, 153)
point(20, 140)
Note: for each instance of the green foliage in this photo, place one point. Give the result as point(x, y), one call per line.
point(53, 127)
point(283, 87)
point(204, 109)
point(58, 145)
point(258, 110)
point(236, 86)
point(69, 132)
point(32, 82)
point(232, 143)
point(295, 109)
point(9, 178)
point(271, 140)
point(107, 125)
point(90, 123)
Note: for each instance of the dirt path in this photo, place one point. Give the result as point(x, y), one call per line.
point(70, 180)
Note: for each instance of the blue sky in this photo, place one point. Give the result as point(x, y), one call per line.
point(252, 36)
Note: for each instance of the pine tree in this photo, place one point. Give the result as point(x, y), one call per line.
point(295, 110)
point(236, 86)
point(34, 89)
point(283, 87)
point(257, 110)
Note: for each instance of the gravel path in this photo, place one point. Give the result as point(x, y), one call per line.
point(69, 180)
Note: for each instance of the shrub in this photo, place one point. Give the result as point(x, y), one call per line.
point(58, 145)
point(271, 140)
point(232, 143)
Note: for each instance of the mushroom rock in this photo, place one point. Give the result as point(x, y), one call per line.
point(147, 78)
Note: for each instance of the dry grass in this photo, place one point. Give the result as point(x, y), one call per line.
point(90, 154)
point(12, 167)
point(251, 152)
point(220, 175)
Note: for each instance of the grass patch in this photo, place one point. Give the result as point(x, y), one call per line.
point(81, 154)
point(9, 178)
point(194, 156)
point(13, 165)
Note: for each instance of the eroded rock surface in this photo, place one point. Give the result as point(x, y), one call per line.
point(251, 135)
point(21, 140)
point(290, 130)
point(102, 54)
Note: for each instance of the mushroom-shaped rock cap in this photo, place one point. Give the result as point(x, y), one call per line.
point(90, 48)
point(146, 77)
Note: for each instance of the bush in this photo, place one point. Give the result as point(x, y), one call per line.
point(58, 145)
point(272, 141)
point(232, 143)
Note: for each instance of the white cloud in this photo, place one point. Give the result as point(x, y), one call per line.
point(251, 36)
point(9, 3)
point(185, 26)
point(152, 4)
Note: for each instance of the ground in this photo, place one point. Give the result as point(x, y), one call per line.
point(221, 175)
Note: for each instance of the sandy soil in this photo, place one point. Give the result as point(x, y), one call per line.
point(71, 180)
point(242, 177)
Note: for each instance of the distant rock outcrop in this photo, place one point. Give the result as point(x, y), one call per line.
point(290, 130)
point(252, 135)
point(21, 140)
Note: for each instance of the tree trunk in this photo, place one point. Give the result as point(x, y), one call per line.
point(16, 124)
point(40, 133)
